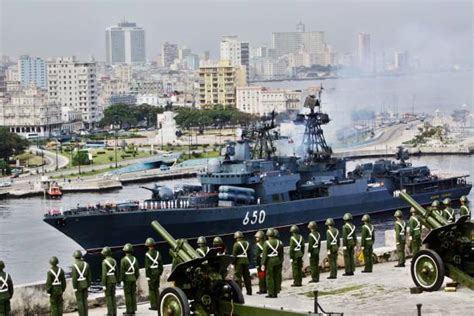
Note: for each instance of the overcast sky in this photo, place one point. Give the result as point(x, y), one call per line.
point(435, 30)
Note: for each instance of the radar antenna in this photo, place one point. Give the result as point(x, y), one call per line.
point(263, 136)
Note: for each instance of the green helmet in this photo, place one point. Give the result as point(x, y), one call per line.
point(150, 242)
point(270, 232)
point(447, 201)
point(435, 203)
point(398, 214)
point(312, 225)
point(294, 229)
point(276, 232)
point(106, 251)
point(366, 218)
point(347, 217)
point(329, 222)
point(77, 254)
point(127, 248)
point(2, 265)
point(463, 199)
point(201, 241)
point(238, 234)
point(260, 234)
point(217, 241)
point(53, 261)
point(412, 210)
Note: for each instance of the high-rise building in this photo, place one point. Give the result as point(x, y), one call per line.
point(218, 82)
point(238, 53)
point(169, 52)
point(401, 60)
point(3, 81)
point(73, 84)
point(125, 43)
point(184, 52)
point(301, 42)
point(364, 54)
point(32, 70)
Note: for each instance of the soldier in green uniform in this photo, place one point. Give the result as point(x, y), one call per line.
point(281, 254)
point(271, 263)
point(349, 242)
point(464, 209)
point(218, 243)
point(153, 271)
point(448, 211)
point(6, 290)
point(314, 245)
point(55, 287)
point(202, 248)
point(415, 232)
point(400, 237)
point(367, 243)
point(435, 207)
point(332, 241)
point(259, 243)
point(241, 263)
point(296, 255)
point(129, 273)
point(109, 279)
point(81, 281)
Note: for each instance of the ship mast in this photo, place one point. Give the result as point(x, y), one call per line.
point(314, 142)
point(262, 135)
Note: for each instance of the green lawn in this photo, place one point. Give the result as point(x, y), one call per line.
point(107, 155)
point(209, 154)
point(30, 160)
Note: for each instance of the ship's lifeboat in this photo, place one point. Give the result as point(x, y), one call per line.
point(54, 192)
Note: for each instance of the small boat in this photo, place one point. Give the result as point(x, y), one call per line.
point(54, 192)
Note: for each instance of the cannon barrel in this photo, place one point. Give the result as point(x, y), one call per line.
point(429, 218)
point(180, 249)
point(146, 188)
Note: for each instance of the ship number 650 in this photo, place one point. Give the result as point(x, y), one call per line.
point(256, 217)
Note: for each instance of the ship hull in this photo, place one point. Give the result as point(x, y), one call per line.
point(95, 231)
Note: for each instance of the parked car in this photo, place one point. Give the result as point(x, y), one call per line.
point(164, 167)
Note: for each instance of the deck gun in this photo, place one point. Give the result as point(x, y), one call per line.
point(449, 249)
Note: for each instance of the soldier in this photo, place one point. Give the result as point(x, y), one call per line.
point(129, 273)
point(241, 263)
point(202, 248)
point(332, 241)
point(296, 255)
point(314, 244)
point(400, 237)
point(109, 279)
point(271, 263)
point(448, 211)
point(281, 254)
point(367, 243)
point(349, 242)
point(259, 243)
point(415, 232)
point(464, 209)
point(6, 290)
point(81, 281)
point(153, 271)
point(218, 243)
point(435, 207)
point(55, 287)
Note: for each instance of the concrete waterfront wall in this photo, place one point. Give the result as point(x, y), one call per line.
point(32, 299)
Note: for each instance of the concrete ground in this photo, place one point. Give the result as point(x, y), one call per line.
point(383, 292)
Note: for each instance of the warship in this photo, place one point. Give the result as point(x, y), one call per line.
point(251, 188)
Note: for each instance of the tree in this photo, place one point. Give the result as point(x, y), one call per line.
point(130, 115)
point(11, 144)
point(80, 158)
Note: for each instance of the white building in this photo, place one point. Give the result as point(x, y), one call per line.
point(261, 100)
point(32, 70)
point(123, 72)
point(73, 84)
point(169, 52)
point(29, 111)
point(150, 98)
point(363, 50)
point(235, 51)
point(125, 43)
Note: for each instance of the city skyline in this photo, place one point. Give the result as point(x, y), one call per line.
point(425, 30)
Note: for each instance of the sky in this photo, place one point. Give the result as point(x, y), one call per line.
point(437, 31)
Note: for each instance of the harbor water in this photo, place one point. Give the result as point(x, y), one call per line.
point(26, 243)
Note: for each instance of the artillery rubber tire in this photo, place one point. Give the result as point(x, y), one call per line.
point(236, 291)
point(427, 270)
point(173, 302)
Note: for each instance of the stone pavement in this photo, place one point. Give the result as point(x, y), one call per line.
point(383, 292)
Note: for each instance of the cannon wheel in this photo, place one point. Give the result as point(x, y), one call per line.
point(238, 297)
point(173, 302)
point(427, 270)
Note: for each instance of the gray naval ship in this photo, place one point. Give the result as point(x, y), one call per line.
point(251, 188)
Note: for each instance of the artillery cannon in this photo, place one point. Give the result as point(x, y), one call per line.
point(160, 193)
point(449, 249)
point(200, 284)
